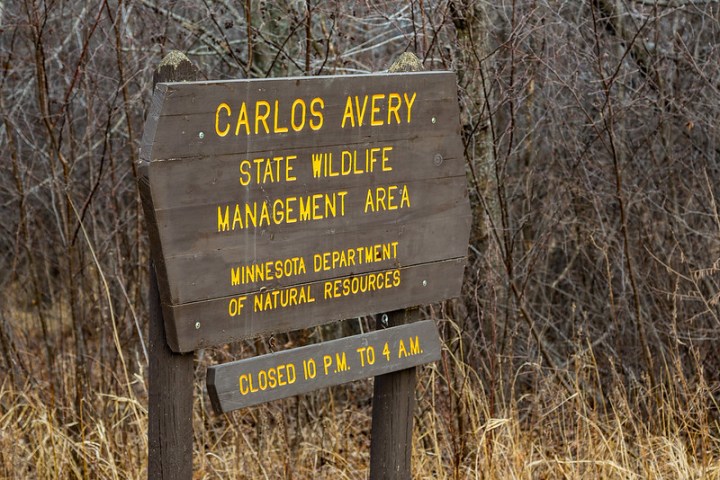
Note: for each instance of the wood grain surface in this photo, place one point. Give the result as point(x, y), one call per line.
point(216, 155)
point(283, 374)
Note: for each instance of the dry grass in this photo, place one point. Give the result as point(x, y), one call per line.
point(543, 432)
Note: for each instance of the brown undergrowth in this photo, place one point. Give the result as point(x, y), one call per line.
point(621, 430)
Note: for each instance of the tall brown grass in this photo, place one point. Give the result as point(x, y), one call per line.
point(462, 430)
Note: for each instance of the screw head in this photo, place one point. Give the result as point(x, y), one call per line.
point(433, 120)
point(197, 325)
point(384, 320)
point(424, 283)
point(201, 135)
point(438, 160)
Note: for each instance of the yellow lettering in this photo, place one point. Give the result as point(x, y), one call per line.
point(305, 211)
point(316, 206)
point(402, 351)
point(405, 197)
point(409, 103)
point(258, 162)
point(244, 389)
point(293, 122)
point(328, 290)
point(264, 215)
point(278, 214)
point(276, 113)
point(329, 165)
point(348, 115)
point(380, 198)
point(287, 297)
point(394, 103)
point(251, 214)
point(360, 112)
point(242, 120)
point(290, 368)
point(361, 284)
point(330, 205)
point(385, 166)
point(385, 198)
point(282, 210)
point(281, 375)
point(369, 203)
point(391, 197)
point(235, 306)
point(223, 132)
point(261, 117)
point(317, 163)
point(346, 162)
point(415, 346)
point(245, 176)
point(283, 119)
point(272, 375)
point(317, 113)
point(371, 283)
point(237, 218)
point(223, 219)
point(374, 108)
point(361, 350)
point(267, 171)
point(341, 362)
point(289, 218)
point(371, 159)
point(289, 168)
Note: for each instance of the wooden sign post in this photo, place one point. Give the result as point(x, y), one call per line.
point(281, 204)
point(170, 389)
point(394, 393)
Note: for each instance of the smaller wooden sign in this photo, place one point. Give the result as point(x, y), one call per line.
point(301, 370)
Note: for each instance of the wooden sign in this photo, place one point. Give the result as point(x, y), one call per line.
point(301, 370)
point(281, 204)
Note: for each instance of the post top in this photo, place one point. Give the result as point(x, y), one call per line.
point(175, 67)
point(173, 59)
point(406, 62)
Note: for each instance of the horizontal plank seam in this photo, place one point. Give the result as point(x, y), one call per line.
point(261, 290)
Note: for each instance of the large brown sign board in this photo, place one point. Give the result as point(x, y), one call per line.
point(280, 204)
point(279, 375)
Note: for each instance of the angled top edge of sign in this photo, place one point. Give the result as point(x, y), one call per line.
point(278, 204)
point(311, 78)
point(204, 118)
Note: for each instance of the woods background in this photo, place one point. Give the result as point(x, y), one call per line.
point(587, 339)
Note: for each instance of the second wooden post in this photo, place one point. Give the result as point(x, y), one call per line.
point(394, 394)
